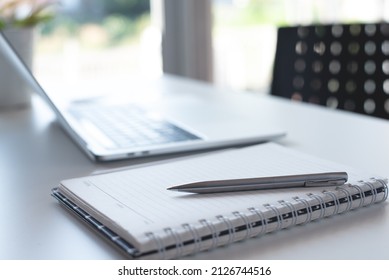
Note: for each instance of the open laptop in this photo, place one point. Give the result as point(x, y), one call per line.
point(112, 122)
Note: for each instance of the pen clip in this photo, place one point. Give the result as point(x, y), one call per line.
point(325, 183)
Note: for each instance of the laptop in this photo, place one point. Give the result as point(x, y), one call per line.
point(132, 120)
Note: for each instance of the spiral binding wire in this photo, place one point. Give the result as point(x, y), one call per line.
point(178, 241)
point(196, 237)
point(292, 209)
point(307, 208)
point(361, 194)
point(335, 199)
point(383, 182)
point(246, 223)
point(213, 232)
point(300, 206)
point(262, 220)
point(373, 191)
point(158, 241)
point(277, 213)
point(322, 205)
point(349, 198)
point(230, 228)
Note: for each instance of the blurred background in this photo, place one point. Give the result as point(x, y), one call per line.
point(228, 42)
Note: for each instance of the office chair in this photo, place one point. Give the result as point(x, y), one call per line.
point(343, 66)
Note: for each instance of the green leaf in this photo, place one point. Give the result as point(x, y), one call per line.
point(36, 16)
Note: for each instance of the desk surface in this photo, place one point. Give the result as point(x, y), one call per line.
point(36, 154)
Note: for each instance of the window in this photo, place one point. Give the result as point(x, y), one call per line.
point(95, 37)
point(244, 32)
point(239, 53)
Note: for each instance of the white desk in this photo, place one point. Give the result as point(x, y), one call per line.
point(35, 154)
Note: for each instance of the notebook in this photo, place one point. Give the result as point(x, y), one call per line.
point(136, 212)
point(114, 118)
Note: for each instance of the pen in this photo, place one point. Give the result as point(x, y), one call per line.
point(328, 179)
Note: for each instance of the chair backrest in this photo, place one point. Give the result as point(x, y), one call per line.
point(343, 66)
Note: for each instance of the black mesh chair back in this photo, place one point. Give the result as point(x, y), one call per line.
point(339, 66)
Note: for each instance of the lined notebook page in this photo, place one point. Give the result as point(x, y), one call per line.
point(137, 201)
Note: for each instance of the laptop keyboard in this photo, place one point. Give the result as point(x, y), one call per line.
point(128, 126)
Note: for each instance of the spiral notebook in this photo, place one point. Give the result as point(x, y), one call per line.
point(135, 211)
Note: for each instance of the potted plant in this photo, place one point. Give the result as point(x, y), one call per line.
point(17, 21)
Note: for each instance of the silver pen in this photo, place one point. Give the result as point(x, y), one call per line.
point(328, 179)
